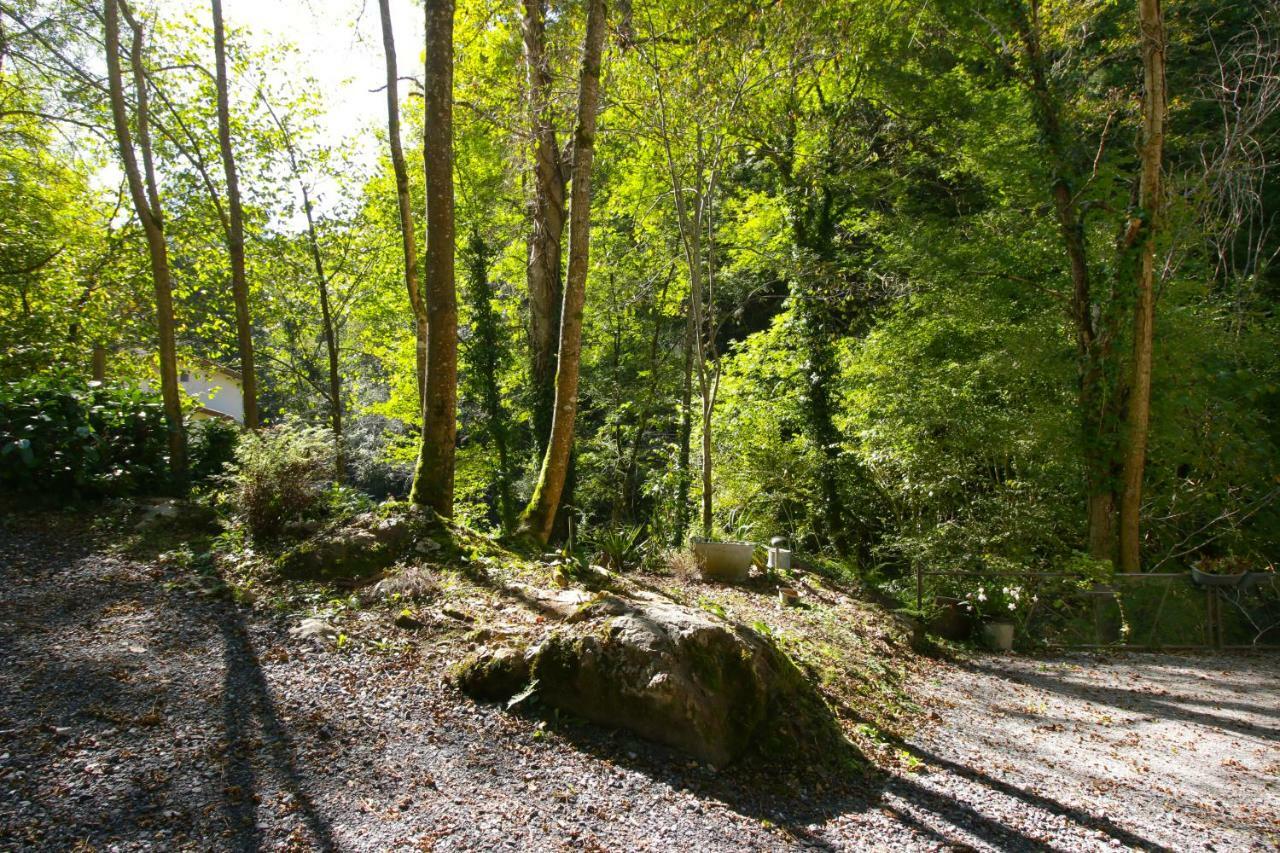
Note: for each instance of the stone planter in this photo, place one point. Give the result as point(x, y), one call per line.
point(998, 636)
point(725, 562)
point(1209, 579)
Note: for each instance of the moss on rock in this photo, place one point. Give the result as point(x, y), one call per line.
point(359, 547)
point(673, 674)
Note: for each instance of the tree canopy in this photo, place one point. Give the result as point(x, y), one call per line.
point(868, 274)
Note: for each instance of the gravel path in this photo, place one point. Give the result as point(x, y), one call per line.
point(1086, 752)
point(138, 713)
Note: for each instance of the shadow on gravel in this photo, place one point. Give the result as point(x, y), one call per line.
point(71, 684)
point(246, 700)
point(795, 802)
point(1140, 701)
point(994, 832)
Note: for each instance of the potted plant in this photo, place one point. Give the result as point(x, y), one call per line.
point(726, 562)
point(1226, 571)
point(996, 608)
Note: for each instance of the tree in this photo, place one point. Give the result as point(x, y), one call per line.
point(1092, 322)
point(540, 514)
point(235, 228)
point(328, 324)
point(1145, 220)
point(433, 476)
point(404, 200)
point(550, 175)
point(146, 202)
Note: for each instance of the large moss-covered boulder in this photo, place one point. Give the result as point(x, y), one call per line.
point(676, 675)
point(359, 547)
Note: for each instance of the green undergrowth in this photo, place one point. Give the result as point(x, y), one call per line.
point(856, 653)
point(464, 590)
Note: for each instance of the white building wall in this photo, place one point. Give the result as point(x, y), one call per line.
point(215, 391)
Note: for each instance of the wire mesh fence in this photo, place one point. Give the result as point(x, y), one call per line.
point(1168, 610)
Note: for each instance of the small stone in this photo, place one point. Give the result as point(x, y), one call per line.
point(408, 622)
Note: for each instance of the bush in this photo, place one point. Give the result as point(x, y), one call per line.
point(61, 436)
point(282, 475)
point(370, 466)
point(211, 446)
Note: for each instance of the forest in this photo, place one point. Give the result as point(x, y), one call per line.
point(973, 285)
point(639, 424)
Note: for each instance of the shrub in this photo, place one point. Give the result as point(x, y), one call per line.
point(281, 475)
point(618, 548)
point(371, 467)
point(61, 436)
point(211, 446)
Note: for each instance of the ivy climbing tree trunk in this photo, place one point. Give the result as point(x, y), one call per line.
point(1093, 327)
point(1146, 222)
point(546, 221)
point(404, 201)
point(235, 228)
point(540, 514)
point(145, 194)
point(487, 354)
point(433, 476)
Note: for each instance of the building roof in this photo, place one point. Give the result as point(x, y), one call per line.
point(220, 368)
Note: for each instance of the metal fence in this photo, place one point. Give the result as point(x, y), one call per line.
point(1160, 610)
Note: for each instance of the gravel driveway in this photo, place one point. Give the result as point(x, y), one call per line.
point(137, 713)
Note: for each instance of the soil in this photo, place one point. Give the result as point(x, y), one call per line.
point(140, 710)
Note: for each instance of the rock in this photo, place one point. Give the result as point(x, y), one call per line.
point(363, 546)
point(413, 583)
point(492, 675)
point(561, 604)
point(159, 512)
point(673, 674)
point(315, 629)
point(409, 622)
point(454, 613)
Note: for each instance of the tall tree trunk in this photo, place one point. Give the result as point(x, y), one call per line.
point(698, 310)
point(547, 218)
point(433, 477)
point(146, 202)
point(235, 231)
point(1147, 219)
point(814, 234)
point(539, 516)
point(330, 343)
point(1098, 419)
point(684, 477)
point(403, 200)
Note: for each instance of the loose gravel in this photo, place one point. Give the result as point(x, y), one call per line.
point(138, 713)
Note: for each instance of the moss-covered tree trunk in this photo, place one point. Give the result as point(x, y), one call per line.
point(404, 201)
point(1092, 329)
point(540, 515)
point(546, 222)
